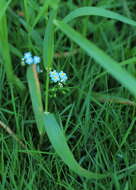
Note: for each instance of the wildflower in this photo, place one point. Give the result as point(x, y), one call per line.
point(36, 59)
point(52, 73)
point(63, 76)
point(27, 55)
point(60, 77)
point(29, 60)
point(54, 76)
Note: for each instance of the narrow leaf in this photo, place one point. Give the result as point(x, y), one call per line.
point(34, 88)
point(42, 12)
point(98, 11)
point(3, 7)
point(112, 99)
point(48, 46)
point(5, 51)
point(48, 51)
point(127, 133)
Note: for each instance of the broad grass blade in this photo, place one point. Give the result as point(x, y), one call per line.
point(35, 92)
point(100, 56)
point(48, 46)
point(59, 143)
point(3, 7)
point(98, 11)
point(5, 50)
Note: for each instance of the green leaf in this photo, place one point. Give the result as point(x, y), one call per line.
point(41, 13)
point(35, 92)
point(126, 186)
point(48, 51)
point(59, 143)
point(112, 99)
point(48, 46)
point(3, 7)
point(100, 56)
point(54, 4)
point(127, 132)
point(5, 51)
point(98, 11)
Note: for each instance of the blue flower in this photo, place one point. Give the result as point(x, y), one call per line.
point(36, 59)
point(63, 76)
point(52, 73)
point(54, 76)
point(27, 58)
point(58, 77)
point(29, 61)
point(27, 55)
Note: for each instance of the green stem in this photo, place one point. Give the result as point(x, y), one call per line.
point(47, 92)
point(40, 142)
point(48, 52)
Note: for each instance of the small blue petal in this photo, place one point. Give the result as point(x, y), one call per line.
point(54, 76)
point(53, 73)
point(63, 76)
point(36, 59)
point(29, 60)
point(27, 55)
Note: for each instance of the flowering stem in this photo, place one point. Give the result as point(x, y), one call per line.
point(47, 92)
point(48, 52)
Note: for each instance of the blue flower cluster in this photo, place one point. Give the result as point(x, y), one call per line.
point(29, 59)
point(58, 77)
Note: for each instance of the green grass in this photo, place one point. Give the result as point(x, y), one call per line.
point(95, 110)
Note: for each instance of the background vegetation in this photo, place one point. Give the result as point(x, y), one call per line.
point(95, 111)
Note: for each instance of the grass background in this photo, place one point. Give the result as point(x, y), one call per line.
point(100, 126)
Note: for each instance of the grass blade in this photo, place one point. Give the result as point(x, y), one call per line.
point(3, 7)
point(4, 49)
point(100, 56)
point(35, 93)
point(54, 4)
point(41, 13)
point(98, 11)
point(48, 51)
point(127, 133)
point(48, 46)
point(112, 99)
point(59, 143)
